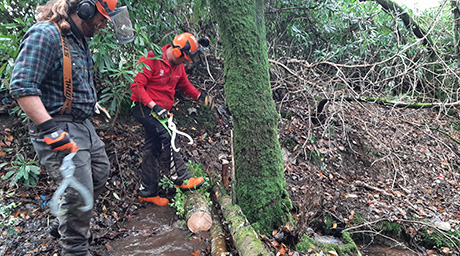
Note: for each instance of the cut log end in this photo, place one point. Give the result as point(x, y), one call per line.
point(199, 221)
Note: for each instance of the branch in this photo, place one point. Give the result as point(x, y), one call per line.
point(389, 5)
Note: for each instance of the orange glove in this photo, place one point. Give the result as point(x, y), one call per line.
point(56, 138)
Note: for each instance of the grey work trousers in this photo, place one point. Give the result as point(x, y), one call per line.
point(92, 168)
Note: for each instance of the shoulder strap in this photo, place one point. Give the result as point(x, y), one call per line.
point(67, 73)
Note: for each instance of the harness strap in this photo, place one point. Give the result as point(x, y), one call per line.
point(67, 73)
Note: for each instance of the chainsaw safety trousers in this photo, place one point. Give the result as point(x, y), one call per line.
point(159, 158)
point(92, 169)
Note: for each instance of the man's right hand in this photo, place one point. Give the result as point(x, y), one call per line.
point(160, 112)
point(60, 141)
point(56, 138)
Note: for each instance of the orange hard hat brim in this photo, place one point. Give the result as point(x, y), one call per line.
point(102, 10)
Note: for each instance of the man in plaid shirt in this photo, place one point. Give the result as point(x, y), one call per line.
point(55, 127)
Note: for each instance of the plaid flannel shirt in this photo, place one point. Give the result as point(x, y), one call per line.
point(38, 71)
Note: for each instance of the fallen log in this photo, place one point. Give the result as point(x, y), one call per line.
point(218, 246)
point(197, 212)
point(245, 238)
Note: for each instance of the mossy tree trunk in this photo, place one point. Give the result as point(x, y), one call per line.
point(260, 184)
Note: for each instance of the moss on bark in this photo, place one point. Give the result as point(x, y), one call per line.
point(260, 185)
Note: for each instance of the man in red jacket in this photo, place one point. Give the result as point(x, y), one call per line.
point(153, 93)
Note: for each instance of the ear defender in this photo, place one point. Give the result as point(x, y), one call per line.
point(177, 52)
point(86, 9)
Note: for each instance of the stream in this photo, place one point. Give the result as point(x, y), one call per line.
point(156, 230)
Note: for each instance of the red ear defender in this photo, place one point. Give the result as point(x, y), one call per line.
point(177, 53)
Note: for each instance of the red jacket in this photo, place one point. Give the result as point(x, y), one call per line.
point(159, 83)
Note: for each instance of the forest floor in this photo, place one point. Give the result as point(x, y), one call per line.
point(364, 167)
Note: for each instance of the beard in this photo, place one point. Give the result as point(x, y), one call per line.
point(89, 28)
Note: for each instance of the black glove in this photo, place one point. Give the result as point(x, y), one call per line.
point(160, 112)
point(206, 100)
point(56, 138)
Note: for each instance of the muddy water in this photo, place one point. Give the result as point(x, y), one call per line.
point(376, 250)
point(157, 231)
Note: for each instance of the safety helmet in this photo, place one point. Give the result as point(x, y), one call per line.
point(186, 45)
point(106, 6)
point(86, 9)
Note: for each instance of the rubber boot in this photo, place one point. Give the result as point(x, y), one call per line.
point(160, 201)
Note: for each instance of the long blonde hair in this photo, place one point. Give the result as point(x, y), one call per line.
point(57, 11)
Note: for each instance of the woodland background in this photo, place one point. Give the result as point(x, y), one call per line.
point(367, 93)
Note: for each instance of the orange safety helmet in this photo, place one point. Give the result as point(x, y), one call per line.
point(186, 45)
point(86, 9)
point(105, 6)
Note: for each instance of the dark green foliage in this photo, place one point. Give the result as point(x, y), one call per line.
point(178, 202)
point(22, 172)
point(348, 248)
point(433, 238)
point(390, 227)
point(7, 222)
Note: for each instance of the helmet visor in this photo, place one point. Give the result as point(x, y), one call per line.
point(122, 24)
point(120, 20)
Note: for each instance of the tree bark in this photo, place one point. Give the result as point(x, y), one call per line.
point(197, 212)
point(218, 246)
point(260, 187)
point(245, 239)
point(456, 15)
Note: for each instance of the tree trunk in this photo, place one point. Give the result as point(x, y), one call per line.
point(456, 15)
point(260, 187)
point(197, 213)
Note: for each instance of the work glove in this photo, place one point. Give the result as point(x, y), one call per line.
point(56, 138)
point(98, 109)
point(206, 100)
point(160, 112)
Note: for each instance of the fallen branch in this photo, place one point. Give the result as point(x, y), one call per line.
point(218, 246)
point(369, 187)
point(245, 238)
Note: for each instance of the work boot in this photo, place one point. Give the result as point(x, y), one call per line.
point(192, 183)
point(53, 230)
point(160, 201)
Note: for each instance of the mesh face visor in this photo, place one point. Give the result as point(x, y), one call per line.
point(122, 24)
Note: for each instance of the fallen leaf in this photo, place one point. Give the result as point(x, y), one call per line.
point(333, 253)
point(108, 247)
